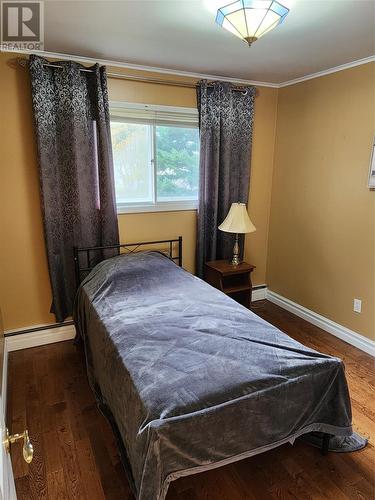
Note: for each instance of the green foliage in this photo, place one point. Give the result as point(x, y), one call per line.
point(177, 160)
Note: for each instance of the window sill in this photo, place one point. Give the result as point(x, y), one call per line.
point(169, 206)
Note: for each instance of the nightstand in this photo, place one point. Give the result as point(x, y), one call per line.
point(234, 281)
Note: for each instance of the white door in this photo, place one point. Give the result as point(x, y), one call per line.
point(7, 489)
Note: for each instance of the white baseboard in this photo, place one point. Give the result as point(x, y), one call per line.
point(41, 337)
point(259, 293)
point(343, 333)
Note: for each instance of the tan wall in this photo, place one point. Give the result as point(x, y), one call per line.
point(322, 226)
point(261, 181)
point(321, 239)
point(25, 292)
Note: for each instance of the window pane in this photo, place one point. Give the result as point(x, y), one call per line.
point(177, 162)
point(131, 143)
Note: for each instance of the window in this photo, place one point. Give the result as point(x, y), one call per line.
point(156, 157)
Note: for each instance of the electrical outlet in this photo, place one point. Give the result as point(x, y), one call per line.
point(357, 305)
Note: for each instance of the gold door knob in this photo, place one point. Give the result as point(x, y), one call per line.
point(27, 449)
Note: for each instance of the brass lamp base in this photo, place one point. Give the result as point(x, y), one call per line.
point(236, 253)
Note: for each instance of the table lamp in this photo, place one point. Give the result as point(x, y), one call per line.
point(237, 221)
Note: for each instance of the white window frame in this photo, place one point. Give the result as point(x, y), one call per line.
point(154, 115)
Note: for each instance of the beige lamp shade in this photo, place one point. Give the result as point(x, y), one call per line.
point(237, 220)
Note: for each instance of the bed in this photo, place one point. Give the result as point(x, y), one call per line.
point(190, 379)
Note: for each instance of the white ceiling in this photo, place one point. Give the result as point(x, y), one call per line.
point(183, 35)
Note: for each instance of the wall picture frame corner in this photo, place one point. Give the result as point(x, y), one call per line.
point(371, 174)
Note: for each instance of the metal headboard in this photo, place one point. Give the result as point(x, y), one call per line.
point(85, 254)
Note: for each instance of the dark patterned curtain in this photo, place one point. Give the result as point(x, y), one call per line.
point(226, 123)
point(76, 168)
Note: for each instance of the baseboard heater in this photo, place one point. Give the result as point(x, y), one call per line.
point(38, 328)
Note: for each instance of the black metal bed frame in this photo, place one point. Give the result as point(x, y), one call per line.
point(127, 248)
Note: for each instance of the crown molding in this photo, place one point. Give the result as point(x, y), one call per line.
point(188, 74)
point(325, 72)
point(138, 67)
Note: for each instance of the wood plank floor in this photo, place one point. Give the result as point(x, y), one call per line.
point(75, 453)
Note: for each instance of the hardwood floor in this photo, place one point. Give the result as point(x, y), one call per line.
point(75, 454)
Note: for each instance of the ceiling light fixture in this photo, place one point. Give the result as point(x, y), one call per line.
point(251, 19)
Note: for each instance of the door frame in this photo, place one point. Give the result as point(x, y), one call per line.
point(7, 486)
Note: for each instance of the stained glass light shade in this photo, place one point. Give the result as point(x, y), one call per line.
point(251, 19)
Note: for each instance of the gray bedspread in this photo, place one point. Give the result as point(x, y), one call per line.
point(193, 379)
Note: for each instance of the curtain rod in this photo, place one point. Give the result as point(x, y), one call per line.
point(142, 79)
